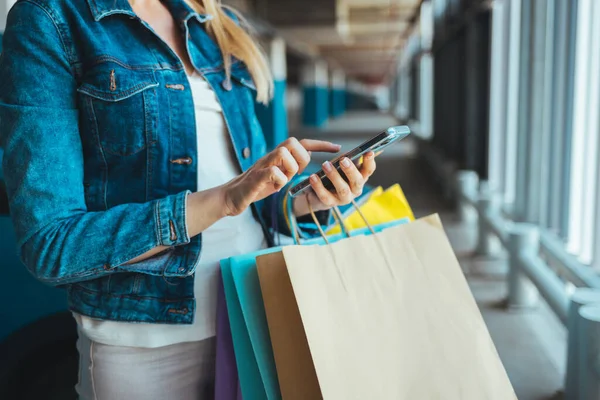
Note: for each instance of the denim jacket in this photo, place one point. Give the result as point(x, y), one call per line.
point(97, 123)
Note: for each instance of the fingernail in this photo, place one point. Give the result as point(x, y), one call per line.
point(313, 178)
point(345, 163)
point(327, 167)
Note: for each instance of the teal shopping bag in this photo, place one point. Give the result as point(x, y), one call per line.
point(249, 329)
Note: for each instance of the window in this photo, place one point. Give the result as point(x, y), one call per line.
point(545, 116)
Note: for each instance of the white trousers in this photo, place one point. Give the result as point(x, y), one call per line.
point(183, 371)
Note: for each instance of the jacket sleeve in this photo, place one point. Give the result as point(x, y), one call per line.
point(58, 240)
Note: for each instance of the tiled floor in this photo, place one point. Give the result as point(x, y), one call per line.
point(531, 343)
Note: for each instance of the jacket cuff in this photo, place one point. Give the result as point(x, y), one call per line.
point(170, 216)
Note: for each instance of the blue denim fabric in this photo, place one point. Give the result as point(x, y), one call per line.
point(97, 123)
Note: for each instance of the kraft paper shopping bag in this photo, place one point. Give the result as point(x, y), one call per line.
point(297, 377)
point(390, 316)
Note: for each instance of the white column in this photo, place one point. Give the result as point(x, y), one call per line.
point(315, 74)
point(338, 79)
point(276, 52)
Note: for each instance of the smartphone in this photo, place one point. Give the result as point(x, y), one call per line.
point(376, 145)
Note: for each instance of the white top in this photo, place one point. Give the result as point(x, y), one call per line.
point(228, 237)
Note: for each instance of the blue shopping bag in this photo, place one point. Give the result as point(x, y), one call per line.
point(249, 328)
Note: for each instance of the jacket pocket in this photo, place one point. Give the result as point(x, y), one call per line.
point(122, 104)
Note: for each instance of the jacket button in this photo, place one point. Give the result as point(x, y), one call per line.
point(182, 161)
point(246, 152)
point(226, 84)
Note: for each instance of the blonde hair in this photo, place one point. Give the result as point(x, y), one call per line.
point(234, 40)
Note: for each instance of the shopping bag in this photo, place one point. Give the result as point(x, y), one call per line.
point(249, 329)
point(226, 375)
point(295, 371)
point(390, 316)
point(251, 342)
point(380, 207)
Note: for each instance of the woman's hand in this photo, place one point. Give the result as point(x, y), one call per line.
point(271, 173)
point(322, 199)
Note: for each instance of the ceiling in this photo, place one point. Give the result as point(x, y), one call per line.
point(362, 37)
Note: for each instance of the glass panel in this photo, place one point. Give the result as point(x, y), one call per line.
point(537, 137)
point(584, 151)
point(498, 92)
point(523, 114)
point(512, 102)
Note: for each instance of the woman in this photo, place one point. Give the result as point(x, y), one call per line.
point(134, 162)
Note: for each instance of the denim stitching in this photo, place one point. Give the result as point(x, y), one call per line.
point(151, 124)
point(96, 273)
point(149, 138)
point(55, 23)
point(134, 297)
point(89, 89)
point(149, 67)
point(183, 212)
point(159, 223)
point(94, 121)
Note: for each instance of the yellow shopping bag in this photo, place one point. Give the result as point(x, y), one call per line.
point(380, 207)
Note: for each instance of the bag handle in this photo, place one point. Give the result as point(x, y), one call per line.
point(359, 211)
point(295, 229)
point(337, 215)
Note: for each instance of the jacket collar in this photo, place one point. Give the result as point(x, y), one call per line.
point(180, 10)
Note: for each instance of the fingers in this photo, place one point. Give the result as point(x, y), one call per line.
point(368, 166)
point(270, 176)
point(277, 178)
point(300, 154)
point(283, 158)
point(356, 180)
point(327, 198)
point(342, 189)
point(320, 145)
